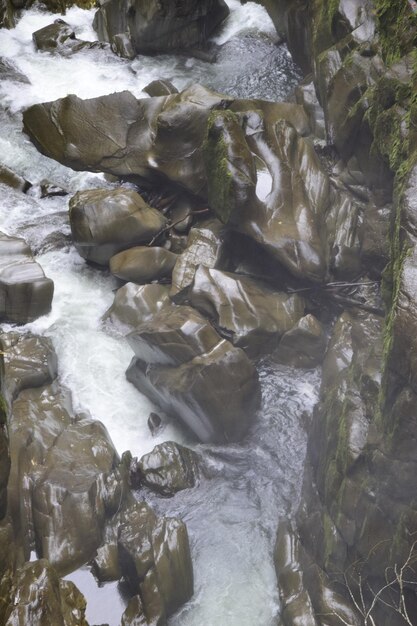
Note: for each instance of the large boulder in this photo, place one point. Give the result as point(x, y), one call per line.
point(251, 315)
point(267, 182)
point(143, 264)
point(155, 560)
point(54, 496)
point(25, 292)
point(153, 139)
point(104, 221)
point(181, 360)
point(134, 304)
point(156, 27)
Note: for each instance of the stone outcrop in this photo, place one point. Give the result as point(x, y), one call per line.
point(69, 501)
point(357, 515)
point(157, 27)
point(180, 360)
point(25, 292)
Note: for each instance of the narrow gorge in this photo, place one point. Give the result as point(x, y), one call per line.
point(208, 303)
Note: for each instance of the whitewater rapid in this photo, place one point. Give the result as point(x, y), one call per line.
point(232, 516)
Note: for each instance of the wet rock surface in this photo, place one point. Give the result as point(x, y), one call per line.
point(103, 222)
point(252, 316)
point(25, 292)
point(134, 304)
point(39, 597)
point(69, 501)
point(180, 359)
point(167, 469)
point(143, 264)
point(156, 27)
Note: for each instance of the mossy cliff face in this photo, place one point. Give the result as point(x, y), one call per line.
point(362, 445)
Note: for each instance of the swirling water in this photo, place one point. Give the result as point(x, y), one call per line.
point(231, 516)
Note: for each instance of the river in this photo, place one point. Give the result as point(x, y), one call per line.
point(232, 515)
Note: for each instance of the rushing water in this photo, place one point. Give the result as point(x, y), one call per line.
point(232, 516)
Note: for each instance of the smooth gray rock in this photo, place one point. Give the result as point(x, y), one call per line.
point(250, 314)
point(25, 292)
point(156, 27)
point(104, 221)
point(134, 304)
point(143, 264)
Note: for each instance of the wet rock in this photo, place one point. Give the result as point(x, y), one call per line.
point(60, 37)
point(186, 391)
point(134, 614)
point(173, 336)
point(4, 463)
point(134, 304)
point(154, 423)
point(56, 494)
point(160, 87)
point(160, 27)
point(304, 345)
point(155, 560)
point(167, 469)
point(40, 598)
point(25, 292)
point(11, 179)
point(53, 36)
point(143, 264)
point(7, 14)
point(122, 46)
point(8, 71)
point(287, 220)
point(343, 225)
point(49, 190)
point(251, 316)
point(29, 361)
point(181, 359)
point(103, 222)
point(305, 95)
point(151, 139)
point(205, 246)
point(306, 592)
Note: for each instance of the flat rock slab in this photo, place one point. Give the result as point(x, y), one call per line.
point(25, 292)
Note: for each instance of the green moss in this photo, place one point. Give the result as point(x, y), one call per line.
point(216, 161)
point(325, 16)
point(396, 27)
